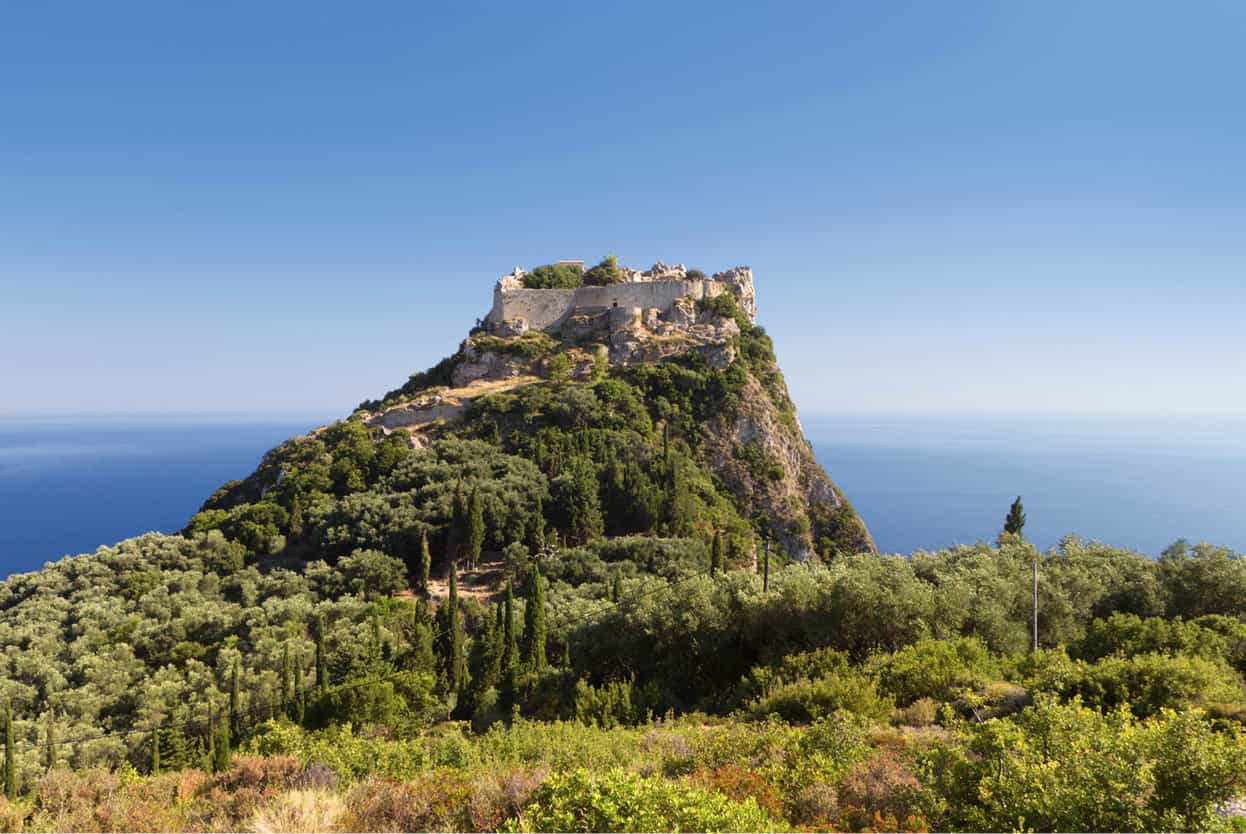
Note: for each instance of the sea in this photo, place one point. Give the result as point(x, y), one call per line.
point(921, 482)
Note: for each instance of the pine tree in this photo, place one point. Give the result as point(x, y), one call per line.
point(426, 562)
point(716, 553)
point(1015, 521)
point(534, 623)
point(49, 747)
point(322, 675)
point(10, 763)
point(475, 527)
point(235, 716)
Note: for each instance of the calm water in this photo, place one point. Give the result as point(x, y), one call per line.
point(68, 486)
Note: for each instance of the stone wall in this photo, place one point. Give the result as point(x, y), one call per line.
point(545, 309)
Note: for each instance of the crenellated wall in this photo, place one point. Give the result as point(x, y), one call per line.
point(545, 309)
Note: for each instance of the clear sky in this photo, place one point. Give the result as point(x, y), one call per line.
point(956, 206)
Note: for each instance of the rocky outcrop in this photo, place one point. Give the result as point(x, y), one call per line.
point(476, 364)
point(765, 460)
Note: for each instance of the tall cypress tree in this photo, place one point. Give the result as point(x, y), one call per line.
point(536, 528)
point(422, 658)
point(475, 527)
point(510, 650)
point(1015, 522)
point(322, 675)
point(457, 537)
point(235, 716)
point(221, 753)
point(453, 659)
point(616, 585)
point(716, 553)
point(300, 697)
point(426, 562)
point(287, 683)
point(534, 623)
point(49, 739)
point(155, 752)
point(10, 763)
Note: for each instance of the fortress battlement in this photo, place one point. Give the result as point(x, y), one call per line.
point(517, 308)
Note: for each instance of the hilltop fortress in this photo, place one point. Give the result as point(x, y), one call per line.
point(639, 299)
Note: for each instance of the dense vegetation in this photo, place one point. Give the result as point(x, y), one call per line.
point(556, 616)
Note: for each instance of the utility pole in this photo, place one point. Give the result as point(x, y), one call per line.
point(1035, 647)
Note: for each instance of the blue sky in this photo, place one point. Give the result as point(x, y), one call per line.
point(950, 207)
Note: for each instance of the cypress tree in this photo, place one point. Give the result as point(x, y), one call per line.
point(221, 753)
point(322, 676)
point(566, 654)
point(155, 752)
point(235, 717)
point(536, 529)
point(716, 553)
point(177, 747)
point(426, 562)
point(616, 585)
point(453, 659)
point(534, 623)
point(510, 651)
point(287, 684)
point(1015, 521)
point(49, 747)
point(374, 643)
point(475, 527)
point(423, 658)
point(209, 757)
point(300, 697)
point(510, 645)
point(457, 538)
point(10, 763)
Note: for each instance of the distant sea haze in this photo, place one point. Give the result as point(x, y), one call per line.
point(70, 485)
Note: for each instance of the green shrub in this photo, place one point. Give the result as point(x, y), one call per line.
point(807, 700)
point(605, 273)
point(1071, 768)
point(1149, 683)
point(619, 801)
point(554, 277)
point(938, 669)
point(527, 346)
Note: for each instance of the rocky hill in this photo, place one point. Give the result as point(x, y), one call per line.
point(745, 432)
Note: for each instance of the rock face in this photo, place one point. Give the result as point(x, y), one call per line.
point(764, 458)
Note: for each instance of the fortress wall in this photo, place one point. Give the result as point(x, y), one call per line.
point(543, 309)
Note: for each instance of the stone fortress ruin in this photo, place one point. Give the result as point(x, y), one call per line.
point(641, 299)
point(641, 318)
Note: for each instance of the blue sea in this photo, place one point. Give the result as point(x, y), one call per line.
point(920, 482)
